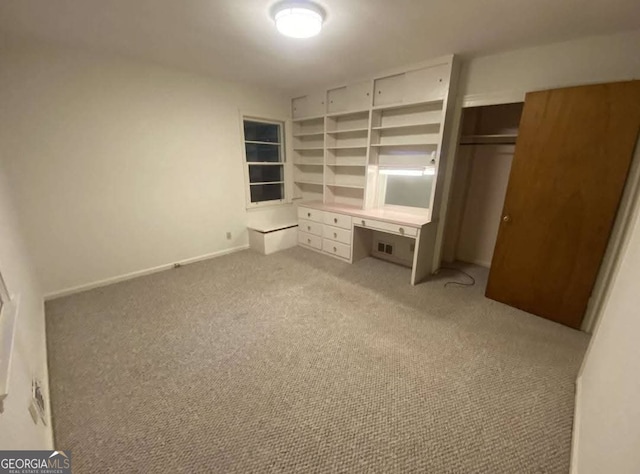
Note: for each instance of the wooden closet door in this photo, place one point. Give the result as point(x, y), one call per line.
point(573, 153)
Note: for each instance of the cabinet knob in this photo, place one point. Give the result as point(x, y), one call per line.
point(309, 227)
point(401, 230)
point(506, 218)
point(335, 235)
point(363, 223)
point(335, 220)
point(335, 249)
point(308, 241)
point(308, 214)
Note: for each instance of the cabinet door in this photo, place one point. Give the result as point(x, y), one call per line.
point(572, 157)
point(299, 107)
point(337, 100)
point(389, 90)
point(316, 104)
point(311, 105)
point(430, 83)
point(359, 96)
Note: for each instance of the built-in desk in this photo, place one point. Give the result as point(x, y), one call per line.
point(351, 233)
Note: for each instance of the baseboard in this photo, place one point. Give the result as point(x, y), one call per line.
point(573, 466)
point(139, 273)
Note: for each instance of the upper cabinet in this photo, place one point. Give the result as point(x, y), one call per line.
point(420, 85)
point(350, 98)
point(311, 105)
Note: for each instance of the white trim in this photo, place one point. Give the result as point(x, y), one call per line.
point(139, 273)
point(573, 463)
point(8, 317)
point(493, 98)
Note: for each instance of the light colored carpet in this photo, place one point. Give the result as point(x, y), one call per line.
point(297, 362)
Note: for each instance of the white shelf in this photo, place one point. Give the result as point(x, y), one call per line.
point(350, 130)
point(308, 119)
point(397, 145)
point(299, 163)
point(401, 105)
point(345, 165)
point(351, 147)
point(410, 125)
point(349, 186)
point(309, 148)
point(346, 114)
point(313, 183)
point(308, 134)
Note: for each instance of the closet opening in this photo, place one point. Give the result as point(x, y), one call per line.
point(480, 177)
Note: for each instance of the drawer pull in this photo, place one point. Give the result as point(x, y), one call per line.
point(309, 228)
point(335, 249)
point(335, 220)
point(335, 235)
point(401, 230)
point(308, 214)
point(363, 223)
point(308, 241)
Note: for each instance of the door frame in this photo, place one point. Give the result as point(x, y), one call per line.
point(629, 205)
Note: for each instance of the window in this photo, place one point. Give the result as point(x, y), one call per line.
point(264, 161)
point(8, 311)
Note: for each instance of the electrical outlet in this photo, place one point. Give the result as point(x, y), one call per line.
point(228, 235)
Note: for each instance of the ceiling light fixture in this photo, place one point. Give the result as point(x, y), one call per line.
point(298, 19)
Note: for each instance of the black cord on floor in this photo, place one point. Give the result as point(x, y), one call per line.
point(459, 283)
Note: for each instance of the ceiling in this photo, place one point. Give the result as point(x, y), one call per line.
point(236, 39)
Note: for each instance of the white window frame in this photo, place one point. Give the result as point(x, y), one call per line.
point(8, 313)
point(283, 162)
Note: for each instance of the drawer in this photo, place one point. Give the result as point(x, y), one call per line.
point(310, 227)
point(386, 226)
point(336, 233)
point(336, 248)
point(337, 220)
point(310, 214)
point(310, 240)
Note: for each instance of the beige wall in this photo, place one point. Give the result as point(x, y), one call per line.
point(582, 61)
point(120, 166)
point(607, 430)
point(17, 430)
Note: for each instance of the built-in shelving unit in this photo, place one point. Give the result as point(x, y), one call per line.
point(358, 141)
point(308, 159)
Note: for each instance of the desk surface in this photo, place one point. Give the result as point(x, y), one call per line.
point(382, 214)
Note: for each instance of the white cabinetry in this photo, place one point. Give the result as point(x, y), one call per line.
point(419, 85)
point(326, 231)
point(350, 98)
point(373, 145)
point(311, 105)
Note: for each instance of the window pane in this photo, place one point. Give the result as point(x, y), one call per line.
point(266, 173)
point(261, 132)
point(267, 192)
point(259, 153)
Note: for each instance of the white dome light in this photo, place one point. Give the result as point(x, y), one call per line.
point(298, 19)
